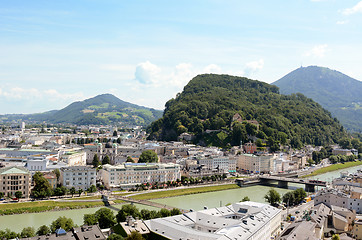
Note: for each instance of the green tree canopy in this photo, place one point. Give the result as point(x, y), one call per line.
point(106, 160)
point(105, 218)
point(43, 230)
point(42, 187)
point(90, 219)
point(272, 197)
point(245, 199)
point(95, 161)
point(134, 236)
point(62, 222)
point(18, 194)
point(27, 232)
point(127, 210)
point(148, 156)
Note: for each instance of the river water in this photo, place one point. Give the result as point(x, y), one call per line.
point(196, 202)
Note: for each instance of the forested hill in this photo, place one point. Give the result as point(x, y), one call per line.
point(335, 91)
point(210, 102)
point(101, 109)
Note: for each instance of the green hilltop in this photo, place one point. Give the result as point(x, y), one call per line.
point(101, 109)
point(335, 91)
point(223, 110)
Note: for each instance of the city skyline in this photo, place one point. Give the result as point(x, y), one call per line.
point(145, 52)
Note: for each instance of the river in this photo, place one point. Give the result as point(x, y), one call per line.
point(196, 202)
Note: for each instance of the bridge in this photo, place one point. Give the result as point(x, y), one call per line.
point(148, 203)
point(282, 181)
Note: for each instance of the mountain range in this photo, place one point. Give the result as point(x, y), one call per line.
point(101, 109)
point(222, 109)
point(335, 91)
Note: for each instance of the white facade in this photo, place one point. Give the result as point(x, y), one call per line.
point(131, 174)
point(80, 177)
point(223, 164)
point(74, 158)
point(37, 164)
point(255, 164)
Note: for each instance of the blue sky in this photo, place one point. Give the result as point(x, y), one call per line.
point(55, 52)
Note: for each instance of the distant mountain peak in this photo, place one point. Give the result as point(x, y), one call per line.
point(337, 92)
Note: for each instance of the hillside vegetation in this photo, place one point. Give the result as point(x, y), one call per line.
point(102, 109)
point(335, 91)
point(209, 102)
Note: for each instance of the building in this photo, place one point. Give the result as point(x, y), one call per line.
point(255, 163)
point(128, 175)
point(80, 177)
point(83, 232)
point(13, 179)
point(239, 221)
point(52, 178)
point(249, 148)
point(218, 164)
point(300, 230)
point(35, 164)
point(339, 151)
point(72, 158)
point(357, 228)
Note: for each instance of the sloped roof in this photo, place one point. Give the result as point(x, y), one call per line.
point(13, 170)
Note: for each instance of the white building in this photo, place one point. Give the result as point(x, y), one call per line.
point(255, 164)
point(222, 164)
point(37, 164)
point(239, 221)
point(73, 158)
point(80, 177)
point(128, 175)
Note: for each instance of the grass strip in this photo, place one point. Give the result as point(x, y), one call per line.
point(184, 191)
point(85, 198)
point(43, 206)
point(333, 167)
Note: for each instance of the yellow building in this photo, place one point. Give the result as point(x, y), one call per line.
point(13, 179)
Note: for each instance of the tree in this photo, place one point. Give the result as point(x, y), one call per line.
point(130, 159)
point(43, 230)
point(272, 197)
point(164, 212)
point(106, 160)
point(42, 187)
point(127, 210)
point(289, 198)
point(134, 236)
point(148, 156)
point(80, 191)
point(72, 191)
point(27, 232)
point(92, 189)
point(105, 218)
point(62, 222)
point(1, 194)
point(18, 194)
point(8, 234)
point(90, 219)
point(336, 237)
point(175, 211)
point(57, 173)
point(95, 161)
point(245, 199)
point(115, 134)
point(115, 236)
point(299, 194)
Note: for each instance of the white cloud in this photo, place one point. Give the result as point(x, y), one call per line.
point(342, 22)
point(147, 73)
point(212, 68)
point(253, 67)
point(22, 94)
point(317, 51)
point(355, 9)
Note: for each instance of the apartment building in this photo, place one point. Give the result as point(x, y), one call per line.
point(128, 175)
point(80, 177)
point(256, 163)
point(13, 179)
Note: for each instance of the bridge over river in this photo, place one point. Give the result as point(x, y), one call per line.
point(282, 181)
point(146, 202)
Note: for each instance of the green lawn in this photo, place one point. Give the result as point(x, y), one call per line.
point(333, 167)
point(84, 198)
point(42, 206)
point(185, 191)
